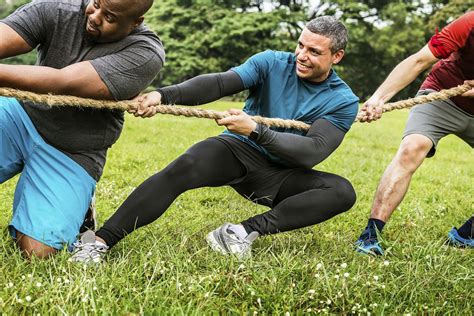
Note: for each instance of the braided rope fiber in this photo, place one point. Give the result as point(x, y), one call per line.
point(63, 100)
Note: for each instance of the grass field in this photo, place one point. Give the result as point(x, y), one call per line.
point(167, 268)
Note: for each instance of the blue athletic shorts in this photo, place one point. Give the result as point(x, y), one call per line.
point(53, 192)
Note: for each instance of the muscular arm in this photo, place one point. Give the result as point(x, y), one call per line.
point(11, 44)
point(302, 151)
point(202, 89)
point(403, 74)
point(79, 79)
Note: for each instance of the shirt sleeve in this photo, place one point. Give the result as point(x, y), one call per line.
point(344, 114)
point(453, 37)
point(32, 21)
point(255, 70)
point(131, 70)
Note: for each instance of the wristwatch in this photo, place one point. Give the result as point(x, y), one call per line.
point(255, 133)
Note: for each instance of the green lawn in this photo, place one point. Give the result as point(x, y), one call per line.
point(167, 268)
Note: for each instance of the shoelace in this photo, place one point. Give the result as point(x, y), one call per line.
point(89, 250)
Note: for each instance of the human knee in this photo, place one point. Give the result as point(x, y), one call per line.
point(413, 150)
point(346, 194)
point(33, 248)
point(184, 166)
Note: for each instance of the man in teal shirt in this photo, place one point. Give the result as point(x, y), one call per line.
point(272, 167)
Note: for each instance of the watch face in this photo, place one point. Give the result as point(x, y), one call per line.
point(253, 135)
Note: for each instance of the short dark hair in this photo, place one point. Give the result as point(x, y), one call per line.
point(332, 28)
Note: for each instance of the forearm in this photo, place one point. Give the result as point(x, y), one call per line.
point(78, 80)
point(302, 151)
point(405, 73)
point(202, 89)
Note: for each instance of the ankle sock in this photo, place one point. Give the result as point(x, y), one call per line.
point(370, 231)
point(467, 230)
point(239, 230)
point(377, 223)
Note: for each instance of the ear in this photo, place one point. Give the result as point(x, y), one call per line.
point(138, 21)
point(337, 56)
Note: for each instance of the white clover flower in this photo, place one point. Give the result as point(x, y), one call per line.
point(84, 299)
point(311, 292)
point(66, 281)
point(309, 310)
point(386, 263)
point(38, 284)
point(259, 301)
point(30, 275)
point(206, 295)
point(344, 265)
point(28, 298)
point(287, 313)
point(346, 275)
point(319, 266)
point(22, 277)
point(328, 302)
point(376, 277)
point(149, 253)
point(58, 280)
point(383, 286)
point(19, 300)
point(293, 285)
point(252, 293)
point(336, 276)
point(10, 284)
point(242, 266)
point(317, 275)
point(95, 288)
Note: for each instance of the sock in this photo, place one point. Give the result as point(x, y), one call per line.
point(239, 230)
point(377, 222)
point(467, 230)
point(370, 231)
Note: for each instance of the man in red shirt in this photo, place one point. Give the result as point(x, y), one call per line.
point(452, 53)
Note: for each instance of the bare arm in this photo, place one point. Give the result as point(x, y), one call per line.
point(400, 77)
point(404, 73)
point(11, 44)
point(79, 79)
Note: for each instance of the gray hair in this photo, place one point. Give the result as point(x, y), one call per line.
point(332, 28)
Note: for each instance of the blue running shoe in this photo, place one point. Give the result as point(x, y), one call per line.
point(369, 244)
point(455, 240)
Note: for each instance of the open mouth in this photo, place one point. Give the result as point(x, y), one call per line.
point(302, 67)
point(91, 29)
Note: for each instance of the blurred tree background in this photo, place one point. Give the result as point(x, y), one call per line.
point(202, 36)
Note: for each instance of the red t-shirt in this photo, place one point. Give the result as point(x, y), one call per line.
point(454, 45)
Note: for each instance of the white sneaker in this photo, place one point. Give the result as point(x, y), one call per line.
point(226, 241)
point(88, 249)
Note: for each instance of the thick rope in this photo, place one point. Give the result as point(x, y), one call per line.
point(62, 100)
point(441, 95)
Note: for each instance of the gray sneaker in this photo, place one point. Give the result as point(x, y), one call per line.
point(225, 241)
point(87, 249)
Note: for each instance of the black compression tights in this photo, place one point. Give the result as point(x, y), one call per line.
point(305, 198)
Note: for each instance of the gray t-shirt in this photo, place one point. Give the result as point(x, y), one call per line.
point(57, 29)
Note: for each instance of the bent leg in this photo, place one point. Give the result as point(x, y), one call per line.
point(306, 197)
point(396, 178)
point(207, 163)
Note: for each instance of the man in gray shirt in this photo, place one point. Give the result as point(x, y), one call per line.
point(96, 49)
